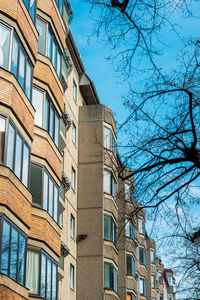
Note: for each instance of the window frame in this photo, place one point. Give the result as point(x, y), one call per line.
point(44, 170)
point(48, 257)
point(112, 225)
point(12, 225)
point(132, 265)
point(72, 226)
point(73, 176)
point(129, 194)
point(152, 257)
point(141, 226)
point(112, 184)
point(144, 286)
point(72, 280)
point(153, 281)
point(129, 229)
point(58, 49)
point(142, 253)
point(113, 278)
point(111, 139)
point(27, 60)
point(74, 135)
point(75, 94)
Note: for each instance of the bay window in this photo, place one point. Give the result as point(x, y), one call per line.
point(110, 277)
point(31, 7)
point(129, 229)
point(13, 251)
point(16, 61)
point(109, 140)
point(110, 232)
point(41, 275)
point(46, 115)
point(110, 184)
point(48, 46)
point(14, 151)
point(130, 265)
point(142, 287)
point(45, 192)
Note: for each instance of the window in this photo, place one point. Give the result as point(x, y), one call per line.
point(160, 279)
point(74, 91)
point(170, 280)
point(71, 277)
point(15, 60)
point(48, 46)
point(110, 185)
point(129, 229)
point(130, 296)
point(129, 193)
point(130, 265)
point(41, 275)
point(110, 277)
point(73, 179)
point(18, 151)
point(170, 297)
point(46, 115)
point(73, 133)
point(109, 140)
point(153, 257)
point(60, 6)
point(142, 286)
point(31, 7)
point(141, 226)
point(72, 227)
point(44, 191)
point(110, 231)
point(13, 251)
point(141, 255)
point(153, 282)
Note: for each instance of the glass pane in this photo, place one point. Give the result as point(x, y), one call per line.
point(32, 272)
point(18, 156)
point(71, 277)
point(36, 184)
point(51, 123)
point(73, 133)
point(28, 79)
point(32, 9)
point(54, 54)
point(13, 254)
point(133, 266)
point(4, 46)
point(10, 146)
point(37, 101)
point(45, 190)
point(58, 69)
point(54, 282)
point(107, 229)
point(128, 265)
point(43, 275)
point(107, 138)
point(21, 68)
point(56, 130)
point(5, 246)
point(107, 283)
point(49, 274)
point(115, 280)
point(46, 121)
point(132, 231)
point(49, 45)
point(61, 7)
point(114, 190)
point(15, 51)
point(55, 203)
point(41, 27)
point(25, 169)
point(2, 139)
point(128, 225)
point(21, 259)
point(107, 182)
point(72, 227)
point(26, 3)
point(50, 210)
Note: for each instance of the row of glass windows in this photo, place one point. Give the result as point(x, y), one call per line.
point(110, 231)
point(110, 185)
point(46, 115)
point(15, 60)
point(44, 190)
point(48, 46)
point(110, 277)
point(14, 151)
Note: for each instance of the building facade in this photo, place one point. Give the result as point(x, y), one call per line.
point(68, 224)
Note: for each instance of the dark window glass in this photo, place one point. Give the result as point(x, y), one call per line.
point(13, 252)
point(49, 279)
point(49, 45)
point(130, 229)
point(32, 9)
point(110, 277)
point(45, 190)
point(109, 229)
point(18, 156)
point(15, 53)
point(4, 46)
point(5, 246)
point(21, 68)
point(26, 2)
point(54, 54)
point(2, 138)
point(142, 256)
point(41, 27)
point(58, 67)
point(28, 79)
point(36, 184)
point(26, 158)
point(110, 185)
point(130, 265)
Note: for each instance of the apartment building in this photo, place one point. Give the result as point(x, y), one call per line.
point(67, 222)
